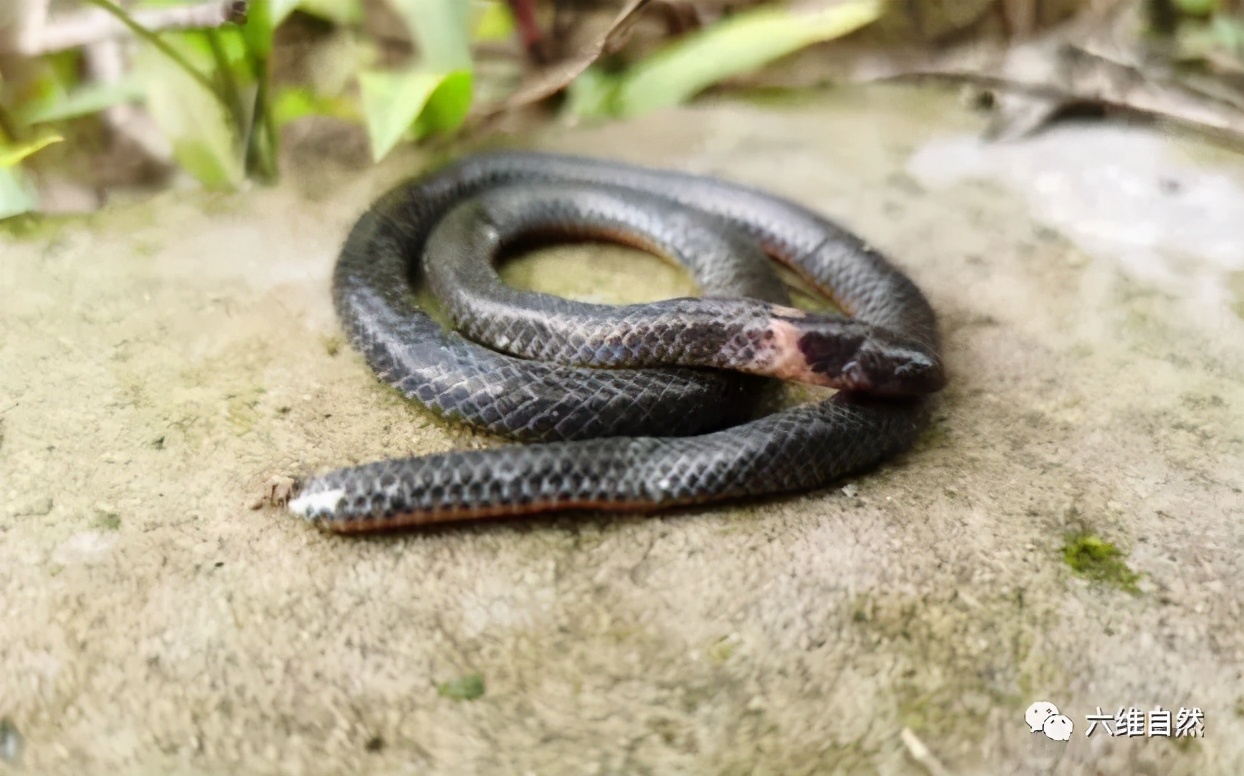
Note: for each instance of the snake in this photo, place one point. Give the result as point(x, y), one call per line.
point(638, 407)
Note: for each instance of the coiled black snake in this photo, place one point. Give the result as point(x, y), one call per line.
point(629, 405)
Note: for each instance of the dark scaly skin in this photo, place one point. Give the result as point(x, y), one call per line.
point(798, 449)
point(464, 214)
point(528, 400)
point(740, 334)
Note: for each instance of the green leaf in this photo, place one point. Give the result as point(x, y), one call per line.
point(744, 42)
point(152, 39)
point(279, 10)
point(1229, 34)
point(234, 44)
point(434, 96)
point(491, 21)
point(593, 93)
point(393, 101)
point(17, 196)
point(296, 101)
point(1197, 7)
point(441, 29)
point(47, 79)
point(193, 119)
point(11, 155)
point(448, 106)
point(82, 101)
point(259, 28)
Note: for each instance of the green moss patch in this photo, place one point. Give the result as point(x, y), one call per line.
point(1097, 559)
point(464, 688)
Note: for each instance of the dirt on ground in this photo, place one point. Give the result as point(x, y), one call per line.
point(1069, 529)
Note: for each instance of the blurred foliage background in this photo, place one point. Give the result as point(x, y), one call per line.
point(98, 96)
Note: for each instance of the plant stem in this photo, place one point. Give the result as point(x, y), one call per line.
point(261, 148)
point(165, 49)
point(229, 92)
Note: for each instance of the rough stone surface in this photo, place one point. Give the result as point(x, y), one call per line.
point(163, 364)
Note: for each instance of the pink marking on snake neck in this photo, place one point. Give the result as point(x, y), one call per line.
point(789, 362)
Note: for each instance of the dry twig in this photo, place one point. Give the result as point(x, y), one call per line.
point(1096, 60)
point(552, 78)
point(38, 34)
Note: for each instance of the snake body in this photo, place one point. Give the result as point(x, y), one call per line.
point(629, 406)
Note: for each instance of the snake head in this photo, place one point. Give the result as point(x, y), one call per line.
point(872, 361)
point(894, 368)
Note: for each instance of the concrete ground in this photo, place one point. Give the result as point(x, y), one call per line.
point(1069, 530)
